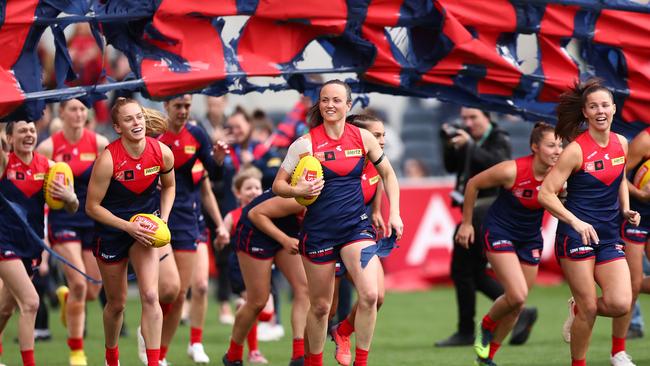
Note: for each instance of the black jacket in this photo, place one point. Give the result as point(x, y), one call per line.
point(495, 149)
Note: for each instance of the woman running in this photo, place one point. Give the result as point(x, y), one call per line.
point(71, 235)
point(336, 224)
point(512, 231)
point(23, 172)
point(123, 183)
point(372, 196)
point(588, 242)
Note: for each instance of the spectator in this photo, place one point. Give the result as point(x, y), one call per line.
point(415, 168)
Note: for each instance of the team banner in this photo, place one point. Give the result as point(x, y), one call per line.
point(465, 51)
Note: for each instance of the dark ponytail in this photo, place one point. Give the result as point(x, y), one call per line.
point(537, 134)
point(569, 110)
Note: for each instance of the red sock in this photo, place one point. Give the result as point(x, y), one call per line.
point(235, 352)
point(582, 362)
point(28, 357)
point(163, 352)
point(316, 360)
point(307, 359)
point(488, 323)
point(0, 348)
point(494, 347)
point(166, 308)
point(112, 356)
point(298, 348)
point(618, 345)
point(252, 338)
point(75, 344)
point(196, 335)
point(360, 357)
point(345, 328)
point(265, 316)
point(153, 355)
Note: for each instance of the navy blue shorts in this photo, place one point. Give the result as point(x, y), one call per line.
point(327, 251)
point(114, 250)
point(234, 273)
point(30, 264)
point(528, 251)
point(573, 249)
point(637, 235)
point(59, 234)
point(255, 244)
point(183, 240)
point(204, 236)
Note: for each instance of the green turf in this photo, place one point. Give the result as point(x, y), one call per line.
point(407, 327)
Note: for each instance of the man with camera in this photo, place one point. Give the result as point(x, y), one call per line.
point(468, 150)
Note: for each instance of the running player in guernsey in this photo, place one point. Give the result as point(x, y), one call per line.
point(512, 231)
point(372, 194)
point(199, 285)
point(636, 240)
point(588, 242)
point(21, 186)
point(123, 183)
point(266, 234)
point(188, 143)
point(336, 224)
point(71, 235)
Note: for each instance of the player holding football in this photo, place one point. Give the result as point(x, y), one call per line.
point(123, 183)
point(23, 173)
point(336, 224)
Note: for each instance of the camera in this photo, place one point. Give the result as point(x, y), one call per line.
point(449, 130)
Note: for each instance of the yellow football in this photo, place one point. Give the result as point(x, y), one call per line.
point(642, 175)
point(59, 172)
point(314, 170)
point(159, 230)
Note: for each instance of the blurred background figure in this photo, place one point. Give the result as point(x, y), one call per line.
point(414, 168)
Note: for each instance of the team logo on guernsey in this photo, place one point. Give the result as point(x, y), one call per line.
point(618, 161)
point(353, 153)
point(87, 156)
point(20, 176)
point(67, 157)
point(125, 175)
point(329, 155)
point(190, 149)
point(152, 170)
point(593, 166)
point(522, 193)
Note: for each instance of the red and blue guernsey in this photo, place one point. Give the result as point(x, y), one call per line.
point(80, 156)
point(132, 190)
point(339, 215)
point(22, 185)
point(252, 241)
point(369, 182)
point(188, 146)
point(514, 221)
point(592, 191)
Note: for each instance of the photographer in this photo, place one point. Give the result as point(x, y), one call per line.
point(468, 150)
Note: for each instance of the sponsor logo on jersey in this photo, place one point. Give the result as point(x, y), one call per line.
point(591, 155)
point(152, 170)
point(321, 252)
point(634, 232)
point(107, 256)
point(501, 244)
point(39, 176)
point(87, 156)
point(618, 161)
point(353, 153)
point(374, 180)
point(319, 155)
point(189, 149)
point(593, 166)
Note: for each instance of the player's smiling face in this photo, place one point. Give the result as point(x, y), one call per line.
point(23, 137)
point(74, 113)
point(549, 148)
point(131, 123)
point(334, 103)
point(599, 109)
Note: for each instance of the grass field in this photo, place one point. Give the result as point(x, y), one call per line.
point(408, 325)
